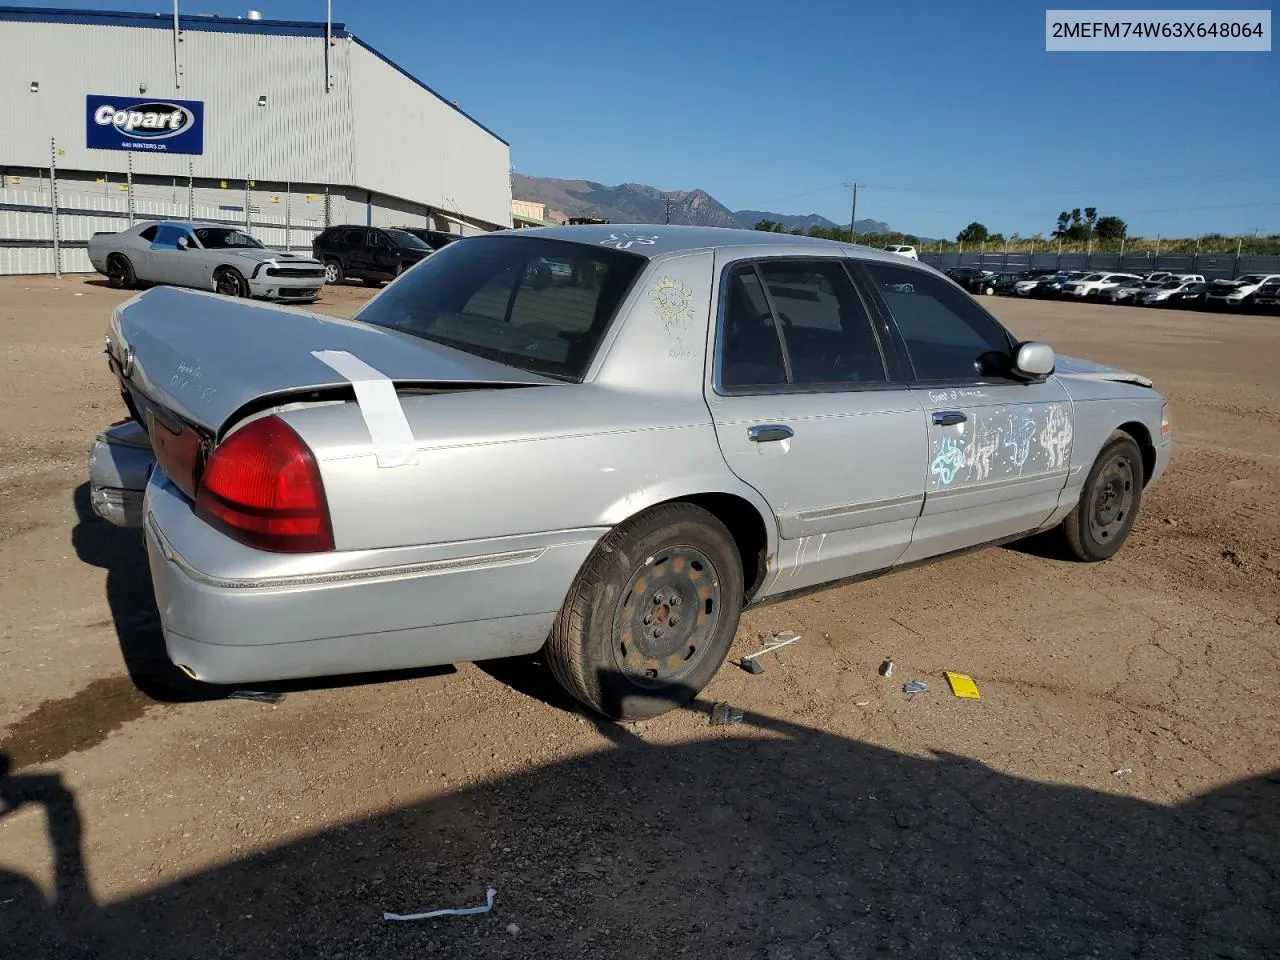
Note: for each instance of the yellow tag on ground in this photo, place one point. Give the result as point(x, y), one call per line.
point(962, 685)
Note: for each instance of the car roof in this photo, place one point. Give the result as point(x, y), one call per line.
point(668, 239)
point(186, 224)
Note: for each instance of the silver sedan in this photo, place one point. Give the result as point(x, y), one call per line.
point(608, 464)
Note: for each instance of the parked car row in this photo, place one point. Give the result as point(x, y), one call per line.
point(1159, 288)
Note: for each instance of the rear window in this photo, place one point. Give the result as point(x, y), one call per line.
point(535, 304)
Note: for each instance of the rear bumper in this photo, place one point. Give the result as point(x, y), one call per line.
point(232, 614)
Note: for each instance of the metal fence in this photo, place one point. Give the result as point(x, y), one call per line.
point(1213, 266)
point(35, 240)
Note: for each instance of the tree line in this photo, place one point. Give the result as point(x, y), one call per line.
point(1076, 231)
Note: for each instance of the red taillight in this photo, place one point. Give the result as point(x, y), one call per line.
point(263, 488)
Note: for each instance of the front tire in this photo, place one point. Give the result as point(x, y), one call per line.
point(651, 615)
point(1100, 523)
point(229, 283)
point(333, 272)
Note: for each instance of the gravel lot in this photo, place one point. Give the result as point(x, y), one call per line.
point(839, 820)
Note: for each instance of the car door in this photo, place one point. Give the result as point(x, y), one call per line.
point(163, 260)
point(354, 251)
point(811, 411)
point(380, 252)
point(999, 447)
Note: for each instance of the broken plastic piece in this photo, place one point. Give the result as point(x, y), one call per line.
point(751, 666)
point(455, 912)
point(261, 696)
point(773, 643)
point(723, 714)
point(962, 685)
point(886, 669)
point(915, 686)
point(1122, 772)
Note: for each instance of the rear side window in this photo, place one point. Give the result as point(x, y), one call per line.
point(535, 304)
point(947, 335)
point(796, 322)
point(149, 234)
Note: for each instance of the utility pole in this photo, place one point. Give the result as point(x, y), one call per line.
point(667, 199)
point(853, 214)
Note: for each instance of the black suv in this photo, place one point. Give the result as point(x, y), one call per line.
point(371, 254)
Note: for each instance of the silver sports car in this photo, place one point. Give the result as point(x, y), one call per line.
point(609, 463)
point(206, 256)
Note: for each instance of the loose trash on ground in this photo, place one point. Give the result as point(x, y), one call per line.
point(1122, 772)
point(261, 696)
point(915, 686)
point(886, 669)
point(963, 685)
point(749, 662)
point(723, 714)
point(451, 912)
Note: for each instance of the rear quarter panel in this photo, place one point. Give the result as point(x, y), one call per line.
point(503, 462)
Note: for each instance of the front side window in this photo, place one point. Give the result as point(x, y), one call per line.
point(799, 323)
point(535, 304)
point(947, 335)
point(225, 238)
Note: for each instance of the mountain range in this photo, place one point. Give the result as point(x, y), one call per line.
point(640, 203)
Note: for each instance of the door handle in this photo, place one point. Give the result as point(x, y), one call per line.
point(766, 433)
point(948, 418)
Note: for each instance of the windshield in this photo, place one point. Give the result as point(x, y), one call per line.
point(1091, 278)
point(1171, 285)
point(534, 304)
point(406, 239)
point(224, 238)
point(1251, 278)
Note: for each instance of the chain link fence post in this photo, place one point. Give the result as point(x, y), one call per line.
point(191, 189)
point(53, 206)
point(129, 182)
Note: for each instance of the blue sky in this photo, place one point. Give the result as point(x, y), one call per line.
point(946, 112)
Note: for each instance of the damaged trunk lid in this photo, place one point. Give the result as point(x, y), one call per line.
point(192, 364)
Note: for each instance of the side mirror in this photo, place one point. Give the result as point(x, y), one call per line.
point(1035, 359)
point(182, 243)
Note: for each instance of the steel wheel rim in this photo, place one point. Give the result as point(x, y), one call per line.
point(1111, 499)
point(666, 619)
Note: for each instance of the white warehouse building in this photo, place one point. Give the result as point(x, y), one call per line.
point(284, 127)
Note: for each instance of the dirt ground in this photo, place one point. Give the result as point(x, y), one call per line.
point(1115, 792)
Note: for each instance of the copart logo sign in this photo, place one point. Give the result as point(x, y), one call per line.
point(134, 123)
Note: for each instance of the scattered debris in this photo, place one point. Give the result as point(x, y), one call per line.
point(962, 685)
point(261, 696)
point(513, 929)
point(915, 686)
point(723, 714)
point(1232, 557)
point(862, 703)
point(1170, 521)
point(886, 669)
point(1122, 772)
point(749, 664)
point(455, 912)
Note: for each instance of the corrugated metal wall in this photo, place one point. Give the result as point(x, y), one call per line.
point(302, 134)
point(424, 149)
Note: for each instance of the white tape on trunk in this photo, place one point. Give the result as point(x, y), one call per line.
point(393, 442)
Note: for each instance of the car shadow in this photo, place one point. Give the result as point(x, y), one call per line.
point(130, 597)
point(764, 839)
